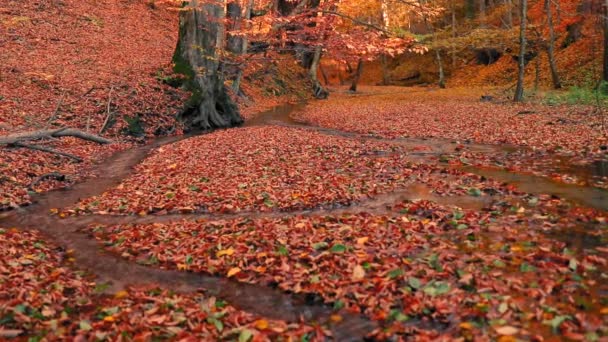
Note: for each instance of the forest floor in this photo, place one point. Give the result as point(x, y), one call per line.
point(413, 213)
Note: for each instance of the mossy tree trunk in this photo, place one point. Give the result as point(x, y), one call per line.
point(197, 56)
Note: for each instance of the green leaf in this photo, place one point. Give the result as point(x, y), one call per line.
point(414, 283)
point(556, 321)
point(189, 260)
point(320, 245)
point(462, 226)
point(499, 263)
point(573, 265)
point(458, 215)
point(474, 192)
point(282, 250)
point(170, 195)
point(245, 335)
point(525, 267)
point(395, 273)
point(85, 325)
point(216, 322)
point(339, 248)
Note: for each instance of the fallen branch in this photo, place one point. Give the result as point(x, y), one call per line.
point(48, 150)
point(109, 115)
point(52, 175)
point(54, 115)
point(52, 133)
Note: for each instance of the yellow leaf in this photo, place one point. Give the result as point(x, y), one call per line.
point(507, 330)
point(182, 267)
point(223, 252)
point(358, 273)
point(335, 318)
point(362, 240)
point(233, 271)
point(261, 324)
point(466, 326)
point(121, 294)
point(604, 311)
point(172, 167)
point(507, 339)
point(109, 319)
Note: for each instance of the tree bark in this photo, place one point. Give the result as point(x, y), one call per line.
point(52, 133)
point(509, 5)
point(551, 47)
point(606, 41)
point(201, 35)
point(353, 86)
point(318, 91)
point(236, 85)
point(441, 82)
point(519, 90)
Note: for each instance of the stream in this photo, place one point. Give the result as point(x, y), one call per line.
point(265, 301)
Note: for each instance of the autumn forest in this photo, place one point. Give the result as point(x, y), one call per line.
point(304, 170)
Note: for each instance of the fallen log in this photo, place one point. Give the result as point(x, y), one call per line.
point(51, 175)
point(48, 150)
point(12, 139)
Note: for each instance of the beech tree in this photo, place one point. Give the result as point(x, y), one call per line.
point(519, 90)
point(201, 39)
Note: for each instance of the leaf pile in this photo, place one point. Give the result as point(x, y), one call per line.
point(41, 297)
point(428, 270)
point(258, 168)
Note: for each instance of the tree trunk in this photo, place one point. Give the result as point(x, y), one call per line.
point(384, 62)
point(519, 90)
point(201, 34)
point(551, 47)
point(470, 9)
point(453, 9)
point(236, 85)
point(482, 13)
point(536, 73)
point(318, 91)
point(509, 5)
point(606, 41)
point(355, 83)
point(441, 82)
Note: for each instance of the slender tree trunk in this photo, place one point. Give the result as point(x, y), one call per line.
point(606, 41)
point(470, 9)
point(536, 73)
point(519, 90)
point(386, 25)
point(236, 86)
point(482, 13)
point(355, 83)
point(318, 90)
point(441, 82)
point(384, 62)
point(509, 5)
point(196, 56)
point(324, 74)
point(453, 9)
point(551, 47)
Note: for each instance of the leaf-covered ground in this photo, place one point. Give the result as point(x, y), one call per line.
point(275, 168)
point(42, 295)
point(537, 132)
point(424, 270)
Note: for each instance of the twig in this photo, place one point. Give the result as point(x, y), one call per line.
point(54, 116)
point(109, 115)
point(48, 150)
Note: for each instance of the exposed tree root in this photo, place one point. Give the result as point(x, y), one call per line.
point(48, 150)
point(52, 175)
point(12, 139)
